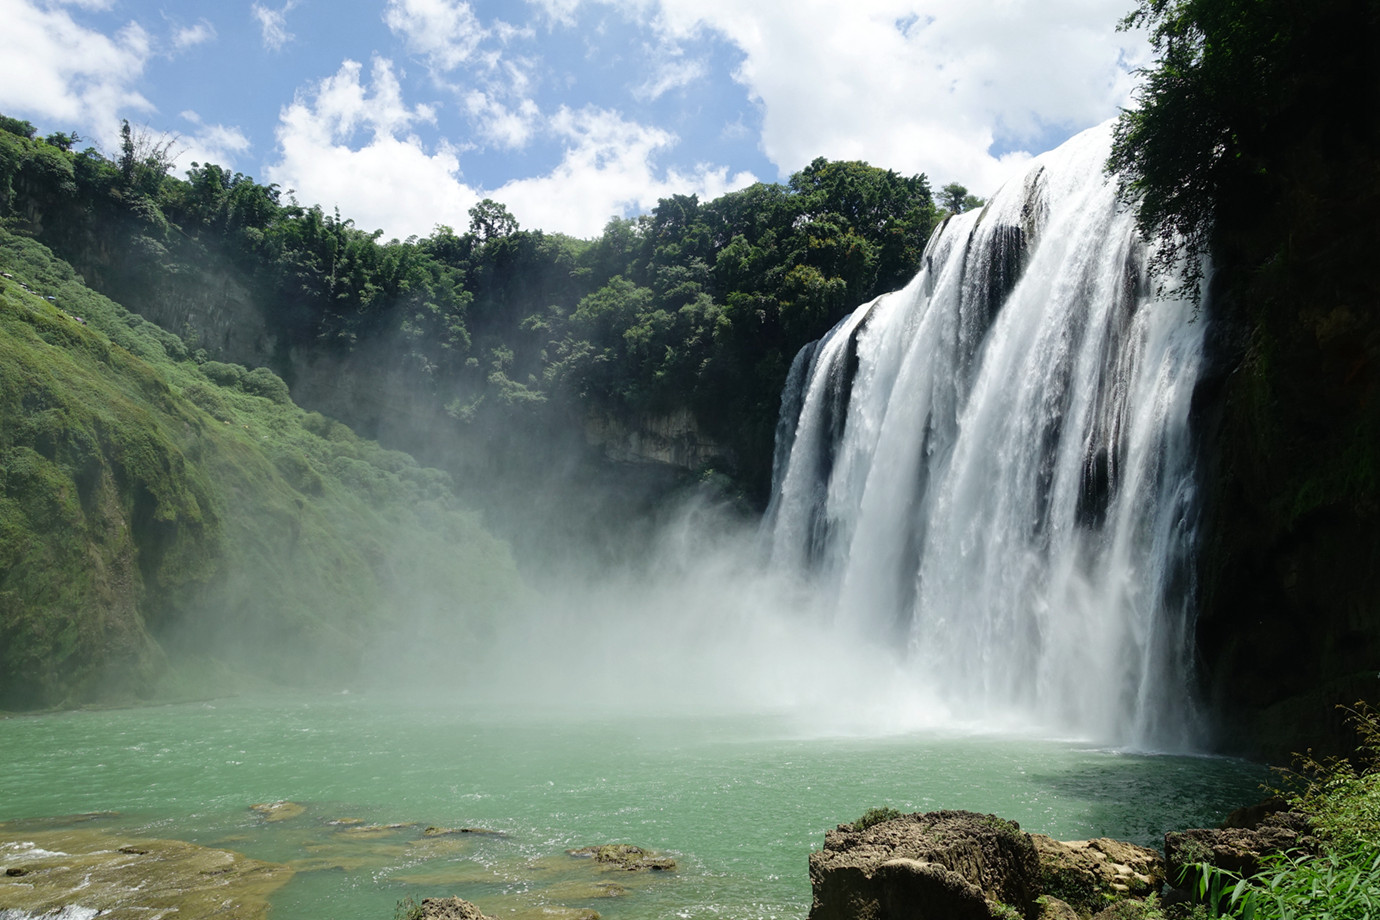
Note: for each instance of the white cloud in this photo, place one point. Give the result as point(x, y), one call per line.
point(273, 24)
point(607, 170)
point(557, 12)
point(191, 36)
point(216, 144)
point(934, 86)
point(672, 73)
point(509, 128)
point(53, 69)
point(445, 32)
point(348, 145)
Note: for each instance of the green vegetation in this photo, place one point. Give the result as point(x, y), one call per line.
point(696, 305)
point(161, 519)
point(1341, 797)
point(874, 816)
point(1250, 142)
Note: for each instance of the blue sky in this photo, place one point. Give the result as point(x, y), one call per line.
point(404, 113)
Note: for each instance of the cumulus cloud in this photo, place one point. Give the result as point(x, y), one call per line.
point(273, 24)
point(445, 32)
point(55, 70)
point(347, 144)
point(953, 88)
point(608, 169)
point(507, 127)
point(352, 143)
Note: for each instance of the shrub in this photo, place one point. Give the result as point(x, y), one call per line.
point(263, 382)
point(227, 375)
point(874, 816)
point(1342, 800)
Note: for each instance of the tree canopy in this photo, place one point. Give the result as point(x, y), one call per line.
point(697, 305)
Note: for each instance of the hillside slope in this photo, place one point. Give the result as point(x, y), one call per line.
point(157, 515)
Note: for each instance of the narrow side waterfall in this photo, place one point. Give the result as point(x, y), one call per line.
point(991, 469)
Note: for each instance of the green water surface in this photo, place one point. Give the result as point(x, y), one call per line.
point(739, 801)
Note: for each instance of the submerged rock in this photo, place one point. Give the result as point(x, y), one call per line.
point(47, 872)
point(945, 865)
point(625, 856)
point(278, 811)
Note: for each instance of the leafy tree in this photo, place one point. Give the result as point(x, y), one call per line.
point(491, 220)
point(1234, 86)
point(953, 198)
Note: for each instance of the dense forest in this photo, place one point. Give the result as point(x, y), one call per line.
point(697, 306)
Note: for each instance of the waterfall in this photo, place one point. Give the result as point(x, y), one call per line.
point(991, 469)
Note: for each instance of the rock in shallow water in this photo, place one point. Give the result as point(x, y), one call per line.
point(625, 856)
point(451, 909)
point(50, 871)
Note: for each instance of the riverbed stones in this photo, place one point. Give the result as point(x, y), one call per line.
point(47, 872)
point(1087, 874)
point(944, 865)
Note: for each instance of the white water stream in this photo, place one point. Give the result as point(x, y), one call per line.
point(991, 468)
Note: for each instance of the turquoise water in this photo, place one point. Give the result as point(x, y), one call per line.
point(739, 801)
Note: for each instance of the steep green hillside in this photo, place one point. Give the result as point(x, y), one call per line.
point(157, 514)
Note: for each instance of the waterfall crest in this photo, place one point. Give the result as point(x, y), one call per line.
point(991, 469)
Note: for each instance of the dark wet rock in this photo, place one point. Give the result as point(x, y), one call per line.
point(451, 909)
point(625, 856)
point(433, 831)
point(1089, 874)
point(1252, 816)
point(1236, 849)
point(944, 865)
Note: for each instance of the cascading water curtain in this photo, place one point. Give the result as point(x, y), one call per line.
point(992, 468)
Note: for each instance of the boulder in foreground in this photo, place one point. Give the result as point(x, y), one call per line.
point(944, 865)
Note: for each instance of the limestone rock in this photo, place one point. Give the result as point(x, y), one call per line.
point(451, 909)
point(1052, 908)
point(1087, 874)
point(944, 865)
point(87, 872)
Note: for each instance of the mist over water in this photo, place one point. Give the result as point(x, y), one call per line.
point(983, 516)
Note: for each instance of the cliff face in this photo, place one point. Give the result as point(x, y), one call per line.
point(674, 438)
point(1290, 576)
